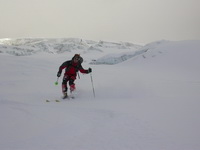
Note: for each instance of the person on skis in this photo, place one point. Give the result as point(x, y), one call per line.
point(71, 68)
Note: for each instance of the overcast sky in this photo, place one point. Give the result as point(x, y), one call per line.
point(141, 21)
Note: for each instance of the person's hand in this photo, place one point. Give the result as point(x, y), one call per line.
point(89, 70)
point(58, 74)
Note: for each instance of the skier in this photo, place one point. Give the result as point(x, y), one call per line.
point(71, 68)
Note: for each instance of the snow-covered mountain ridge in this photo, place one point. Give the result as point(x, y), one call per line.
point(105, 52)
point(28, 46)
point(103, 49)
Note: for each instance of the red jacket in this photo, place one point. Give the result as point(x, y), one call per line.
point(72, 68)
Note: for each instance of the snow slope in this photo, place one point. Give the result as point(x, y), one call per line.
point(148, 102)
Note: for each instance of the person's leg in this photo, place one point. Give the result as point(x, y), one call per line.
point(72, 85)
point(64, 85)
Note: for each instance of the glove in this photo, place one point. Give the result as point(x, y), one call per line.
point(59, 74)
point(89, 70)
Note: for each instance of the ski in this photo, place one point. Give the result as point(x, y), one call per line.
point(56, 100)
point(69, 97)
point(63, 99)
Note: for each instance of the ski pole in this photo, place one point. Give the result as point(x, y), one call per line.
point(92, 84)
point(56, 83)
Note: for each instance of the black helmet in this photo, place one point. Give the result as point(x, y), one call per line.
point(77, 56)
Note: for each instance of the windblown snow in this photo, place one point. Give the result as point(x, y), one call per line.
point(147, 97)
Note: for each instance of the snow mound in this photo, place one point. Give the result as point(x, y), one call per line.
point(114, 58)
point(180, 58)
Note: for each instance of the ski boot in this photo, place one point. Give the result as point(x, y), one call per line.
point(65, 95)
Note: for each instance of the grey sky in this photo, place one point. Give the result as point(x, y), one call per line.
point(139, 21)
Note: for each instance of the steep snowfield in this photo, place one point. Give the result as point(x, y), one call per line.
point(148, 102)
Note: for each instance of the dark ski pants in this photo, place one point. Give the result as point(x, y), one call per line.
point(70, 80)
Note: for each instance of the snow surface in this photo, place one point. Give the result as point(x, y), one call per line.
point(147, 101)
